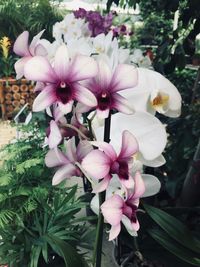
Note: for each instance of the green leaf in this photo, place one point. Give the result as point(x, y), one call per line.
point(69, 254)
point(35, 256)
point(173, 227)
point(180, 251)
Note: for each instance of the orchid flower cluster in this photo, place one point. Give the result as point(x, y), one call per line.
point(102, 115)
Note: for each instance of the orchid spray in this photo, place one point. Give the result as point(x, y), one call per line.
point(102, 111)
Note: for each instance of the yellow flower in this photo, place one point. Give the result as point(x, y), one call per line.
point(5, 45)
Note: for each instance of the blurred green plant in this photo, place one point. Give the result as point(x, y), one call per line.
point(38, 222)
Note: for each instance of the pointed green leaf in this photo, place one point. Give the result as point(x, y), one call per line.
point(173, 227)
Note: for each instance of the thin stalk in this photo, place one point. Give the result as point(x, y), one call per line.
point(100, 225)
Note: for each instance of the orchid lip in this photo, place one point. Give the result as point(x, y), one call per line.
point(64, 92)
point(104, 101)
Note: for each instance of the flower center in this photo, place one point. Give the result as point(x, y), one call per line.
point(160, 100)
point(104, 101)
point(123, 170)
point(64, 92)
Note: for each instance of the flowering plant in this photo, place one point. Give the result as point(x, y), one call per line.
point(102, 111)
point(7, 60)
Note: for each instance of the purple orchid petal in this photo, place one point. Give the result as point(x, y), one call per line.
point(112, 209)
point(39, 69)
point(129, 145)
point(121, 104)
point(55, 137)
point(21, 45)
point(55, 157)
point(103, 185)
point(19, 66)
point(114, 231)
point(83, 148)
point(82, 67)
point(44, 99)
point(107, 148)
point(124, 77)
point(65, 172)
point(34, 42)
point(84, 96)
point(61, 64)
point(96, 164)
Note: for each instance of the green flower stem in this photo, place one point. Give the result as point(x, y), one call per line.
point(100, 225)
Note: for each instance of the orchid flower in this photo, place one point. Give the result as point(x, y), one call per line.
point(106, 86)
point(149, 132)
point(62, 80)
point(154, 93)
point(117, 209)
point(104, 162)
point(66, 162)
point(26, 51)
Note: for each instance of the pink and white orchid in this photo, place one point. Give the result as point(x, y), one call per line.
point(26, 51)
point(106, 85)
point(66, 162)
point(117, 209)
point(104, 162)
point(62, 80)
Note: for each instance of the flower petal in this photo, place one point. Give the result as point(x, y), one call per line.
point(102, 114)
point(152, 185)
point(55, 136)
point(61, 64)
point(157, 162)
point(82, 67)
point(34, 42)
point(129, 145)
point(124, 77)
point(114, 231)
point(40, 50)
point(45, 98)
point(139, 187)
point(102, 186)
point(104, 75)
point(71, 150)
point(107, 148)
point(84, 96)
point(66, 171)
point(128, 225)
point(122, 104)
point(21, 47)
point(39, 69)
point(83, 148)
point(129, 183)
point(112, 209)
point(19, 66)
point(55, 157)
point(66, 108)
point(96, 164)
